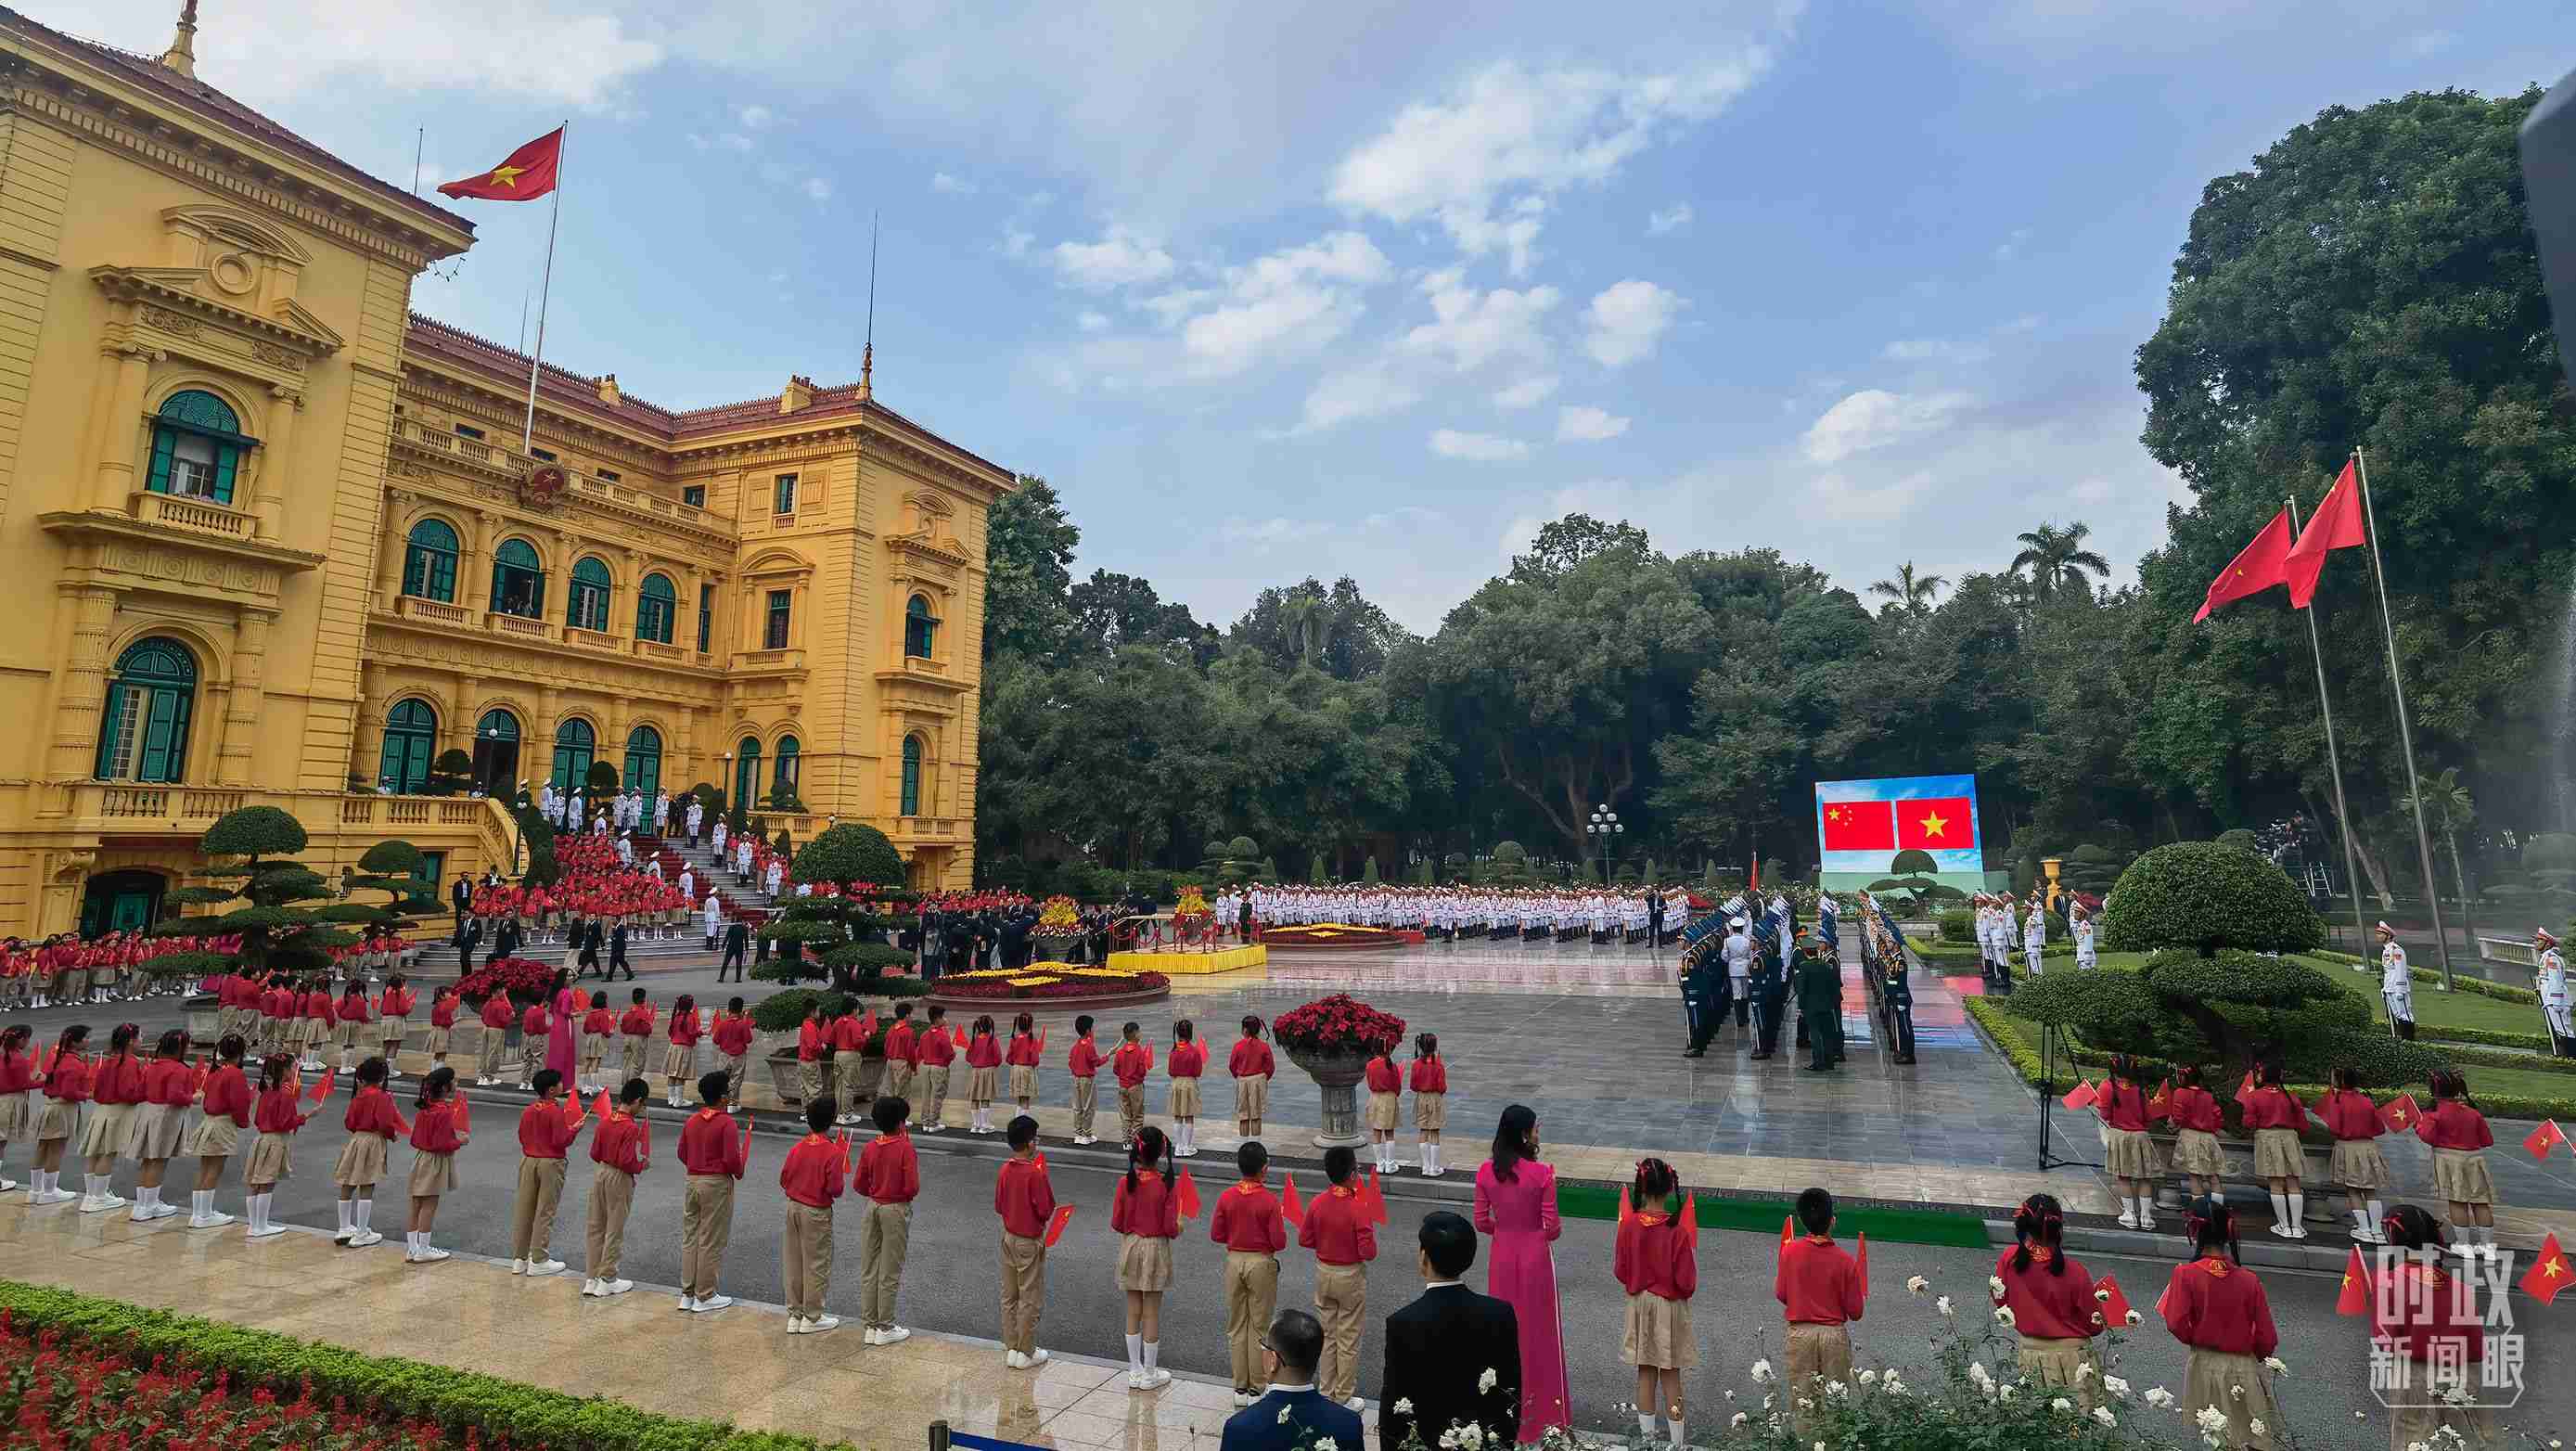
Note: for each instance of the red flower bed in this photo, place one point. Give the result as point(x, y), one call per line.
point(59, 1395)
point(520, 977)
point(1065, 987)
point(1338, 1024)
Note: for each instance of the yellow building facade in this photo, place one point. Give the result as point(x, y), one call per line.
point(277, 540)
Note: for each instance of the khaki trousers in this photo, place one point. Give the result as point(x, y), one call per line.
point(885, 1236)
point(1023, 1291)
point(938, 1091)
point(706, 1225)
point(488, 1064)
point(1341, 1302)
point(1816, 1352)
point(532, 1056)
point(734, 1064)
point(1251, 1295)
point(630, 1062)
point(1131, 1111)
point(1086, 1106)
point(805, 1259)
point(541, 1184)
point(899, 1080)
point(612, 1193)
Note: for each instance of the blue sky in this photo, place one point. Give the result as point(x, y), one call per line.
point(1272, 291)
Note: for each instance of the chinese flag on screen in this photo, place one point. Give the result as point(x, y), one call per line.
point(1935, 823)
point(1859, 826)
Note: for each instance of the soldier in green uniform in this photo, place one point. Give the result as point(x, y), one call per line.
point(1820, 1004)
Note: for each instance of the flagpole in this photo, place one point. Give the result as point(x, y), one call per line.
point(545, 291)
point(2334, 759)
point(2405, 731)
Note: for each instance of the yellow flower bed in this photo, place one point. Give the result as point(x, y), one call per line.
point(1031, 981)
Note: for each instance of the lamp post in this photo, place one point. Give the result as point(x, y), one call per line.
point(1606, 828)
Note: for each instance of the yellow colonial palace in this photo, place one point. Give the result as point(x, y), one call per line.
point(272, 538)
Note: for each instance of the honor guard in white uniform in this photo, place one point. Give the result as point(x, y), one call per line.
point(2551, 980)
point(2034, 935)
point(2085, 957)
point(2396, 983)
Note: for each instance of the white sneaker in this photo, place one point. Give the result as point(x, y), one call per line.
point(795, 1325)
point(893, 1335)
point(1149, 1380)
point(347, 1232)
point(518, 1267)
point(52, 1196)
point(590, 1288)
point(712, 1303)
point(1356, 1404)
point(822, 1324)
point(364, 1238)
point(1035, 1358)
point(544, 1267)
point(615, 1287)
point(2128, 1219)
point(209, 1221)
point(1243, 1399)
point(269, 1232)
point(7, 1184)
point(688, 1305)
point(1014, 1360)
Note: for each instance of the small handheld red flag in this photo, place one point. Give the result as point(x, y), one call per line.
point(605, 1106)
point(573, 1111)
point(1627, 1211)
point(957, 1035)
point(2549, 1273)
point(1376, 1199)
point(746, 1138)
point(524, 175)
point(2245, 1090)
point(322, 1086)
point(197, 1082)
point(1690, 1219)
point(464, 1112)
point(2081, 1096)
point(1055, 1226)
point(2543, 1139)
point(2355, 1298)
point(2115, 1306)
point(1188, 1191)
point(1860, 1263)
point(2256, 567)
point(2400, 1114)
point(1289, 1208)
point(2162, 1104)
point(1788, 1229)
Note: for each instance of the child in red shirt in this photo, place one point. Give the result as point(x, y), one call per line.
point(1340, 1230)
point(2197, 1119)
point(1385, 1106)
point(622, 1147)
point(2459, 1137)
point(1250, 1065)
point(534, 1026)
point(2217, 1307)
point(17, 1090)
point(1145, 1212)
point(637, 1028)
point(715, 1151)
point(442, 1027)
point(547, 1128)
point(496, 1018)
point(1084, 1064)
point(2126, 1112)
point(733, 1034)
point(902, 1053)
point(889, 1179)
point(1025, 1054)
point(226, 1103)
point(2050, 1298)
point(2435, 1336)
point(1248, 1223)
point(1132, 1060)
point(372, 1123)
point(983, 1074)
point(598, 1029)
point(1431, 1102)
point(1025, 1200)
point(2356, 1164)
point(278, 1117)
point(680, 1060)
point(938, 1050)
point(1820, 1291)
point(436, 1138)
point(1188, 1061)
point(2276, 1116)
point(811, 1180)
point(393, 1020)
point(1657, 1261)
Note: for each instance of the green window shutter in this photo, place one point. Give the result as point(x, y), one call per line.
point(163, 441)
point(415, 571)
point(390, 767)
point(110, 722)
point(165, 737)
point(227, 457)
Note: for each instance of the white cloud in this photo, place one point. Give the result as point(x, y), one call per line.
point(1527, 393)
point(734, 141)
point(754, 117)
point(947, 185)
point(2010, 247)
point(1668, 219)
point(1091, 322)
point(818, 189)
point(1508, 132)
point(1625, 321)
point(1476, 447)
point(1583, 423)
point(1016, 241)
point(1300, 296)
point(1348, 395)
point(1936, 350)
point(1280, 531)
point(568, 52)
point(1874, 418)
point(1470, 329)
point(1119, 259)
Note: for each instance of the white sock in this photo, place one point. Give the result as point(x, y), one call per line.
point(2360, 1223)
point(2378, 1215)
point(2146, 1209)
point(96, 1184)
point(257, 1205)
point(2298, 1210)
point(2280, 1209)
point(1680, 1439)
point(1153, 1353)
point(1135, 1353)
point(348, 1215)
point(201, 1203)
point(366, 1213)
point(1646, 1424)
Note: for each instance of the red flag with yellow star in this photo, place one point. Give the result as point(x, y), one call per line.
point(2355, 1299)
point(1935, 823)
point(523, 176)
point(2549, 1273)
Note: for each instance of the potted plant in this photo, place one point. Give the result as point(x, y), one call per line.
point(1333, 1039)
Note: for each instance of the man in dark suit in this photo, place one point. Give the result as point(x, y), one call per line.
point(737, 947)
point(460, 895)
point(1440, 1348)
point(1015, 941)
point(1294, 1413)
point(617, 952)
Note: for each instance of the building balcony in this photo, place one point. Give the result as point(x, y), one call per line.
point(768, 662)
point(930, 829)
point(192, 516)
point(655, 650)
point(132, 810)
point(519, 626)
point(594, 640)
point(413, 607)
point(932, 679)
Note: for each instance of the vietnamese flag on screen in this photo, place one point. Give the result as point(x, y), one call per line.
point(1936, 823)
point(1860, 826)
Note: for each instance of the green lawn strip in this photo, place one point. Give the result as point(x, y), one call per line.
point(1763, 1216)
point(2439, 1014)
point(380, 1389)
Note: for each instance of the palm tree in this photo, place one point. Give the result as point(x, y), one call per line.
point(2057, 560)
point(1912, 592)
point(1308, 620)
point(2448, 808)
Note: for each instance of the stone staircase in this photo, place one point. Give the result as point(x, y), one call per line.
point(438, 959)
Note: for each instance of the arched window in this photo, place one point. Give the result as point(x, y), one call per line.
point(496, 753)
point(920, 627)
point(657, 609)
point(143, 735)
point(912, 775)
point(746, 773)
point(429, 562)
point(575, 746)
point(782, 781)
point(411, 739)
point(518, 580)
point(197, 446)
point(644, 760)
point(589, 596)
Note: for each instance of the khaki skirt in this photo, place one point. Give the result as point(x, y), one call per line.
point(2460, 1177)
point(439, 1039)
point(108, 1127)
point(155, 1132)
point(2133, 1155)
point(431, 1174)
point(58, 1119)
point(981, 1084)
point(1185, 1098)
point(2196, 1151)
point(362, 1162)
point(1024, 1081)
point(392, 1030)
point(352, 1032)
point(678, 1059)
point(2357, 1164)
point(17, 1115)
point(213, 1136)
point(2213, 1378)
point(2060, 1363)
point(1385, 1112)
point(1144, 1263)
point(594, 1049)
point(1431, 1112)
point(1657, 1333)
point(1252, 1096)
point(2276, 1154)
point(271, 1159)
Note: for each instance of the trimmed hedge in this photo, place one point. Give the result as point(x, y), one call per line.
point(2205, 896)
point(380, 1388)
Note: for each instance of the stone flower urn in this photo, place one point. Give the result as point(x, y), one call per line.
point(1339, 1075)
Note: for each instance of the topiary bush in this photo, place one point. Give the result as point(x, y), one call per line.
point(2240, 837)
point(2207, 897)
point(2226, 1012)
point(1959, 925)
point(600, 780)
point(850, 852)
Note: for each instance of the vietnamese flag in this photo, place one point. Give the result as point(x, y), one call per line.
point(2355, 1299)
point(2115, 1305)
point(2543, 1139)
point(1055, 1225)
point(1860, 1264)
point(2400, 1114)
point(322, 1085)
point(523, 176)
point(1189, 1196)
point(1788, 1230)
point(464, 1113)
point(2548, 1274)
point(2245, 1090)
point(1935, 823)
point(2256, 568)
point(605, 1106)
point(2337, 525)
point(1690, 1220)
point(1860, 826)
point(1289, 1208)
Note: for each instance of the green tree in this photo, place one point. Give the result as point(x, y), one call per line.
point(2056, 563)
point(1029, 541)
point(1564, 543)
point(253, 848)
